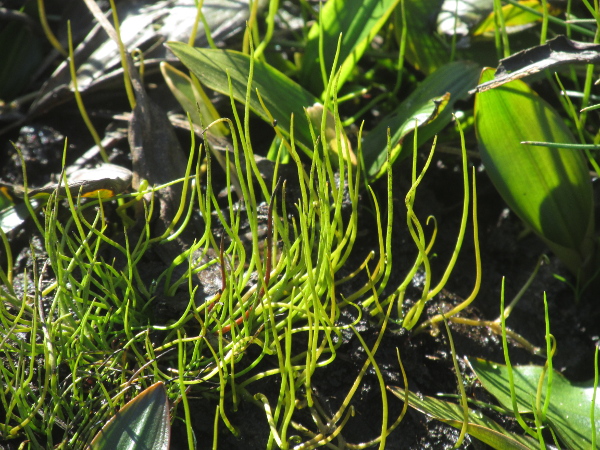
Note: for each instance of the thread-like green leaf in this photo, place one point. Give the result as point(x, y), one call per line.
point(548, 188)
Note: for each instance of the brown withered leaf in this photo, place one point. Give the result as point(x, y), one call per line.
point(555, 52)
point(156, 153)
point(159, 159)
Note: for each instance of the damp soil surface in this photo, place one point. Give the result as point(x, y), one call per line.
point(426, 356)
point(506, 254)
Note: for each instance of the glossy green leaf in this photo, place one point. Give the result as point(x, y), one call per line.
point(358, 22)
point(428, 102)
point(548, 188)
point(142, 423)
point(282, 97)
point(479, 427)
point(570, 403)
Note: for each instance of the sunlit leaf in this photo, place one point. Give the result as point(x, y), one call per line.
point(196, 103)
point(358, 22)
point(515, 19)
point(433, 99)
point(570, 403)
point(479, 427)
point(192, 100)
point(548, 188)
point(142, 423)
point(282, 97)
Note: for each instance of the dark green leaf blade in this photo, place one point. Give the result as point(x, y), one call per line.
point(22, 53)
point(425, 50)
point(142, 423)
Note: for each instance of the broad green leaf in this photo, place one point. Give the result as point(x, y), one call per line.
point(479, 427)
point(433, 99)
point(192, 100)
point(425, 50)
point(570, 403)
point(282, 97)
point(358, 22)
point(548, 188)
point(142, 423)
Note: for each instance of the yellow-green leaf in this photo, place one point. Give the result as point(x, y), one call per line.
point(548, 188)
point(515, 18)
point(193, 100)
